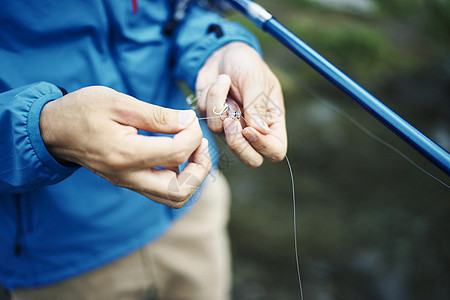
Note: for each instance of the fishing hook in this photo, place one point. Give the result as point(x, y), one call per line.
point(224, 109)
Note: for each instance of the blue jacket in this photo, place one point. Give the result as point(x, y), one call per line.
point(56, 221)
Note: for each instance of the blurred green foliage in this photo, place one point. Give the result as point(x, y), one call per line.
point(371, 225)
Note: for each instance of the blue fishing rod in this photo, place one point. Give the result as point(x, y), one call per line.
point(424, 145)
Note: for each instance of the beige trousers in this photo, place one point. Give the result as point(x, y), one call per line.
point(190, 262)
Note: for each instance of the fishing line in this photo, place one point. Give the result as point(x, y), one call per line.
point(358, 125)
point(236, 115)
point(381, 141)
point(207, 118)
point(295, 229)
point(340, 112)
point(349, 118)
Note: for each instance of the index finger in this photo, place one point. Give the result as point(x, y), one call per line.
point(162, 151)
point(215, 101)
point(169, 188)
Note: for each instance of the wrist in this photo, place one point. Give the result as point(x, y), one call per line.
point(49, 126)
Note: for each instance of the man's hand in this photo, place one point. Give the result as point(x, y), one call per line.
point(238, 72)
point(97, 127)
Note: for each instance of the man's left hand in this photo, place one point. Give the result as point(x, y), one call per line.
point(237, 71)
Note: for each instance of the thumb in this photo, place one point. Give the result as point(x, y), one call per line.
point(153, 118)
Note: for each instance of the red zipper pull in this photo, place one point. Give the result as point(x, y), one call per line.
point(135, 6)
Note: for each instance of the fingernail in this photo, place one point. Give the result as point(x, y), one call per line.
point(251, 136)
point(185, 117)
point(223, 79)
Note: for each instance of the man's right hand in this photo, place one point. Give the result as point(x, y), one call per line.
point(97, 127)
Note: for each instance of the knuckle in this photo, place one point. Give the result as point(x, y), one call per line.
point(117, 161)
point(177, 205)
point(234, 141)
point(186, 192)
point(179, 198)
point(99, 91)
point(232, 144)
point(238, 146)
point(260, 108)
point(159, 116)
point(116, 166)
point(215, 127)
point(214, 92)
point(253, 163)
point(259, 111)
point(179, 157)
point(277, 157)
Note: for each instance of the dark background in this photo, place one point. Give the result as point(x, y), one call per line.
point(370, 224)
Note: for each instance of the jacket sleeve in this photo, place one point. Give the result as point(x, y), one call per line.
point(24, 160)
point(201, 33)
